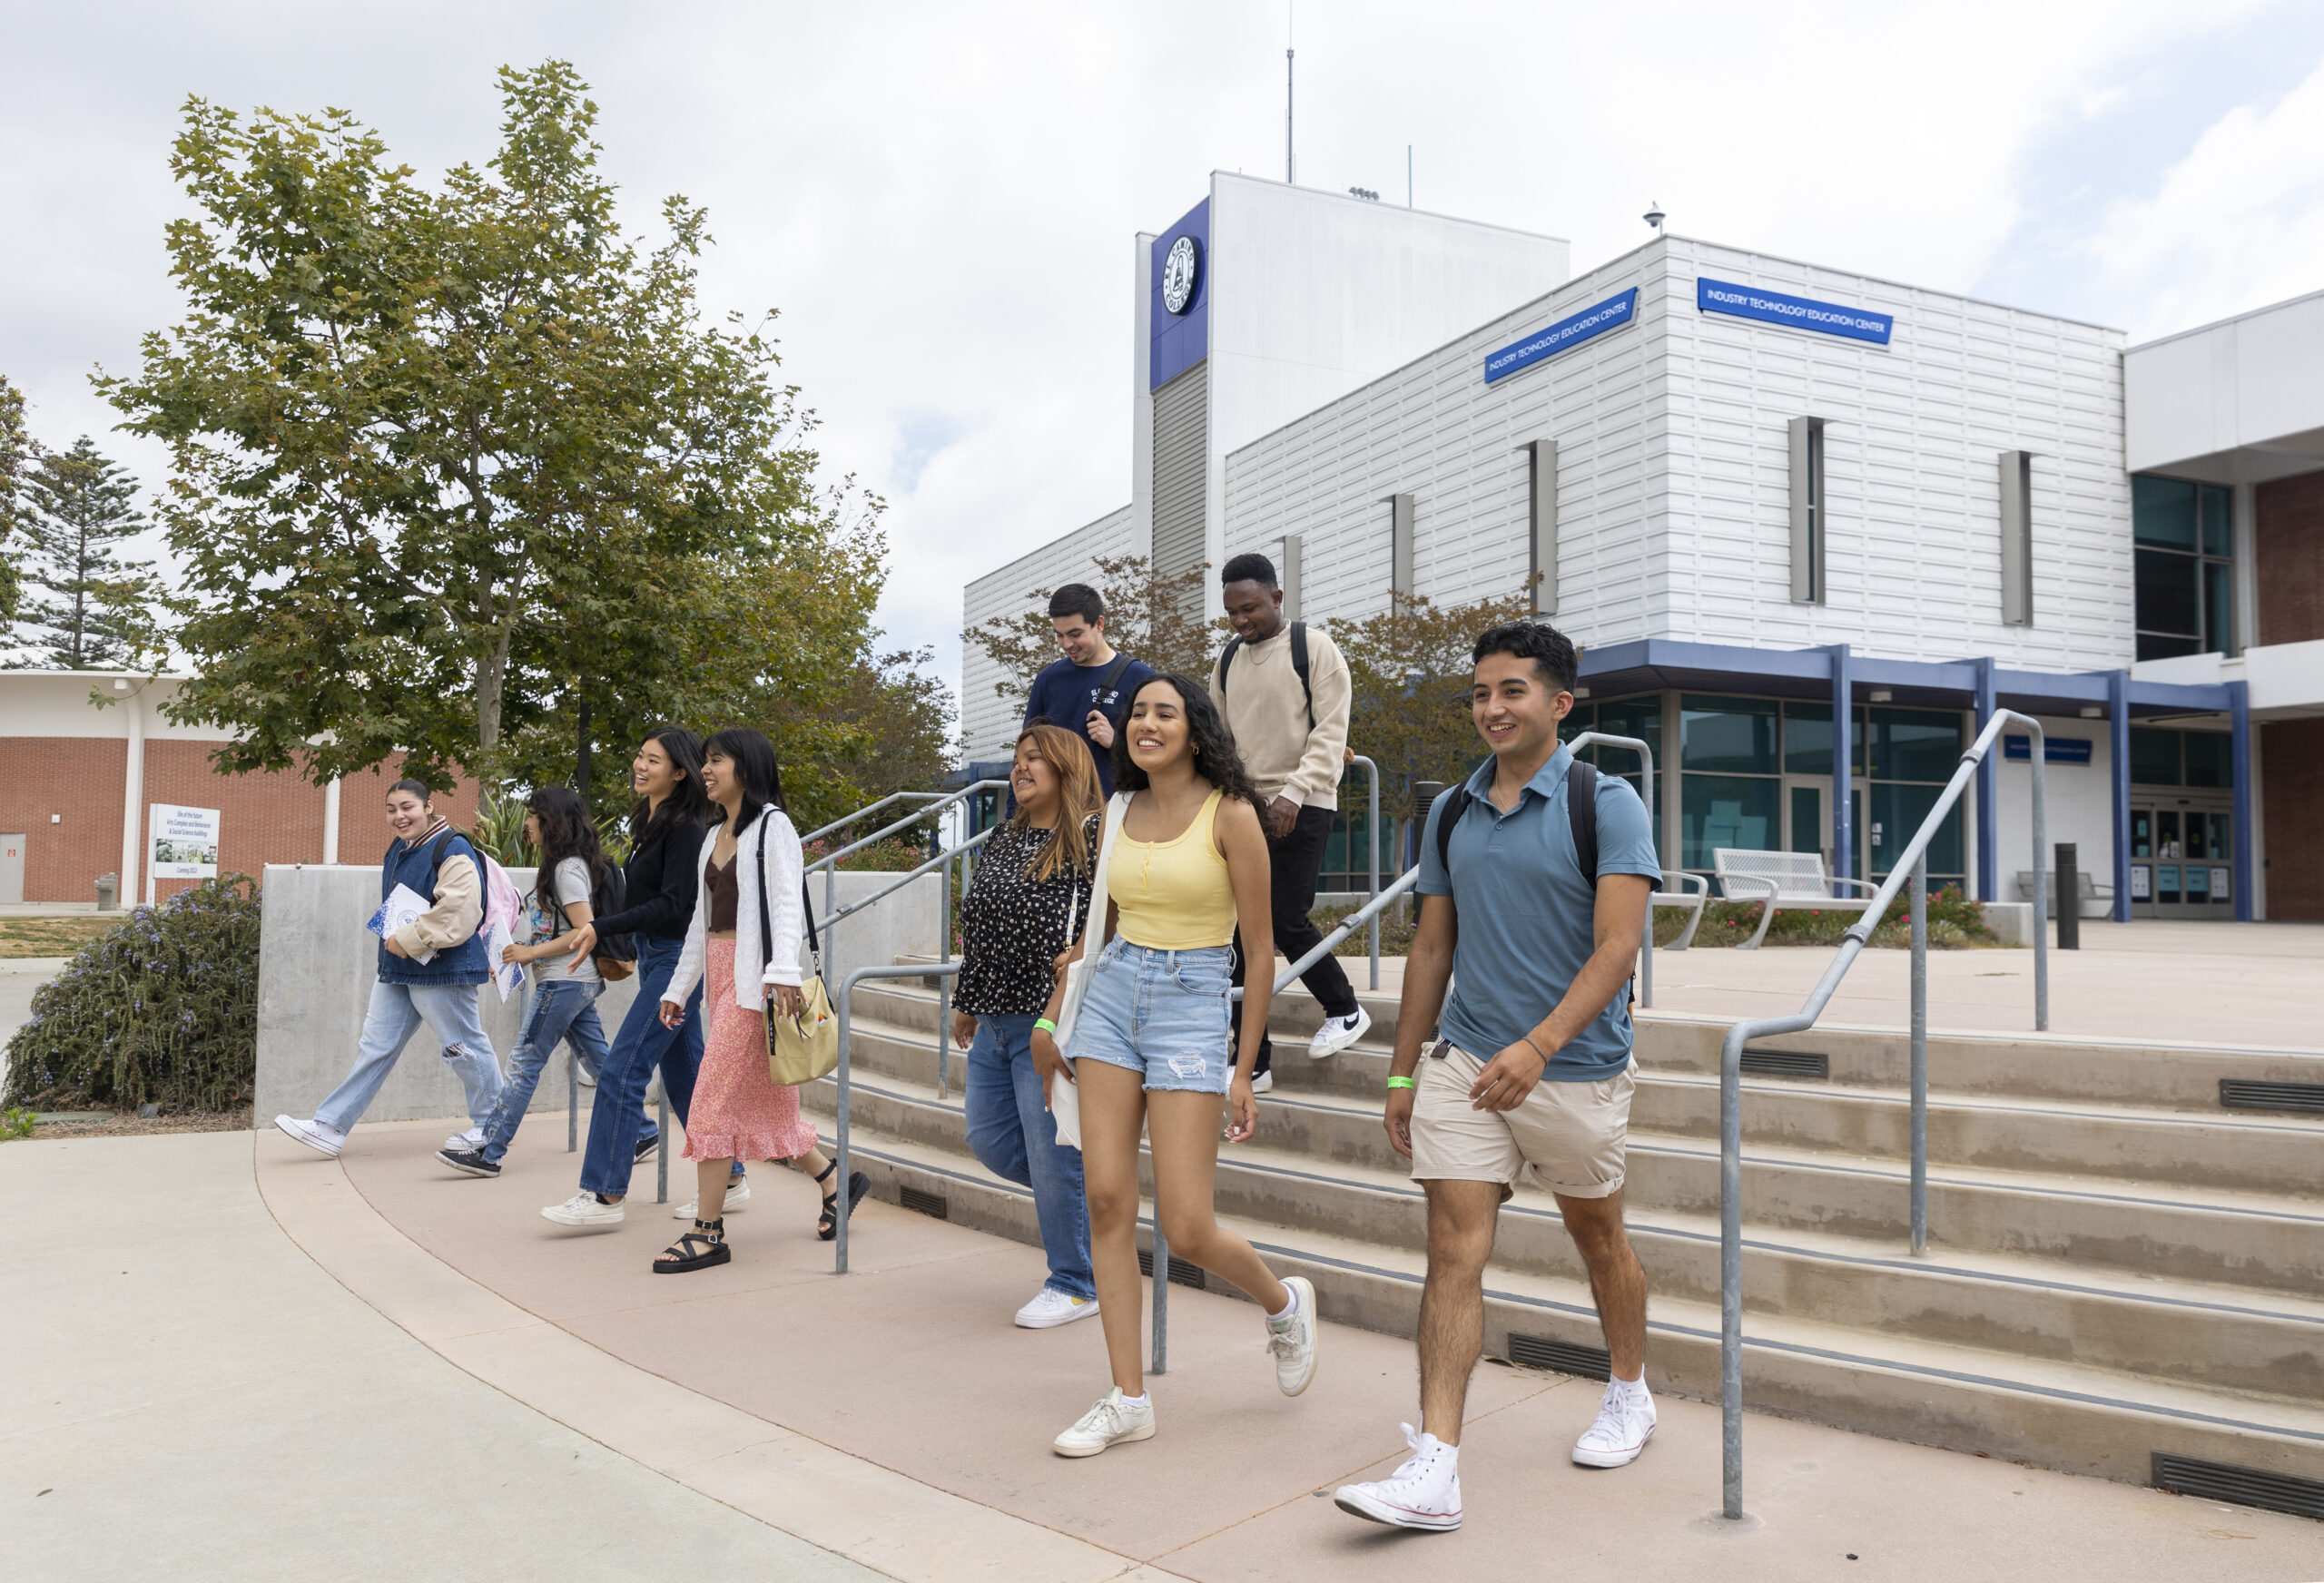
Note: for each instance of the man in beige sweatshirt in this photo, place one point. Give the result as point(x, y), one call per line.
point(1292, 732)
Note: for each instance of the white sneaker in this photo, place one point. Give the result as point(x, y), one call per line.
point(589, 1077)
point(323, 1140)
point(461, 1142)
point(1337, 1033)
point(1291, 1340)
point(1112, 1421)
point(1262, 1082)
point(584, 1209)
point(738, 1194)
point(1625, 1424)
point(1051, 1308)
point(1424, 1493)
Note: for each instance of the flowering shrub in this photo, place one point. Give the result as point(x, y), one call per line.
point(163, 1010)
point(897, 855)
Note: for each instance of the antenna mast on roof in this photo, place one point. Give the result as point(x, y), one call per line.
point(1288, 54)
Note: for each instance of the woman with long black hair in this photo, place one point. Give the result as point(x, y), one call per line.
point(565, 981)
point(749, 868)
point(1185, 858)
point(667, 825)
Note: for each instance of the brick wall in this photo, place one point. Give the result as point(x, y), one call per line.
point(2287, 544)
point(265, 818)
point(2291, 754)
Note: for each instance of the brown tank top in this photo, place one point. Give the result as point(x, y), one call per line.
point(725, 895)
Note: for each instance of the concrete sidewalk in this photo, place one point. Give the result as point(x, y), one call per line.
point(912, 1364)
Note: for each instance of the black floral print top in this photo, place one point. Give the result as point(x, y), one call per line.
point(1013, 926)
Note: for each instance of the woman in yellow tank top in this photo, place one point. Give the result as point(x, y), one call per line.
point(1151, 1041)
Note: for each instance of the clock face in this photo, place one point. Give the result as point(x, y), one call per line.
point(1178, 271)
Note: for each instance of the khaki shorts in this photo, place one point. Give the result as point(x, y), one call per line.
point(1571, 1136)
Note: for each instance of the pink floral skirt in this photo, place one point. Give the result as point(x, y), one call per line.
point(739, 1112)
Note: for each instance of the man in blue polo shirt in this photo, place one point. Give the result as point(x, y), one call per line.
point(1530, 1069)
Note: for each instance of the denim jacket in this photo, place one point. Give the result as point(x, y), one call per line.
point(415, 867)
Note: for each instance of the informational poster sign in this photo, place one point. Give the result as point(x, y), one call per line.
point(185, 844)
point(2141, 882)
point(2219, 879)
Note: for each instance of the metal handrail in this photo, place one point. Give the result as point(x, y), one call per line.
point(845, 820)
point(1911, 867)
point(1367, 913)
point(828, 859)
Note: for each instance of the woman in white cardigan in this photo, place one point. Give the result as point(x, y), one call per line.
point(750, 868)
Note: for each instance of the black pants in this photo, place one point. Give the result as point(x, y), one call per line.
point(1295, 861)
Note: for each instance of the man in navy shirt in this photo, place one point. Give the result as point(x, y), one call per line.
point(1530, 1069)
point(1088, 691)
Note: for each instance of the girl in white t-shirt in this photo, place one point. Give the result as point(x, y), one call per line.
point(566, 983)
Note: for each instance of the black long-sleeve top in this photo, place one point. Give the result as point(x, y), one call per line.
point(661, 881)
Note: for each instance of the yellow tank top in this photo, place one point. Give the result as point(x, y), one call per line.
point(1174, 895)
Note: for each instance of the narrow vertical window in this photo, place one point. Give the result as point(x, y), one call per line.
point(1542, 521)
point(1807, 514)
point(1291, 575)
point(2017, 539)
point(1400, 543)
point(2183, 567)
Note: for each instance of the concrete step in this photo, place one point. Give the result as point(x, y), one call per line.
point(2208, 1334)
point(2259, 1152)
point(2060, 1414)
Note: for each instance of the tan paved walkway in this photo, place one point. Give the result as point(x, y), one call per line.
point(911, 1366)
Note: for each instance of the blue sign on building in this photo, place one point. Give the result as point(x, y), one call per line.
point(1796, 312)
point(1563, 336)
point(2056, 750)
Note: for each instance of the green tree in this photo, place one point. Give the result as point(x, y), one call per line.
point(16, 452)
point(438, 452)
point(77, 507)
point(1147, 615)
point(1409, 670)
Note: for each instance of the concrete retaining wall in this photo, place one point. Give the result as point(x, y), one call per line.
point(317, 964)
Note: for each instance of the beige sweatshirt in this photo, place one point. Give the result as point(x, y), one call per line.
point(1267, 712)
point(460, 908)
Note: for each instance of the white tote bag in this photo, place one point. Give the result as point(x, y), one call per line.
point(1065, 1103)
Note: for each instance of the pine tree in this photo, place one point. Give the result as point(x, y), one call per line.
point(16, 457)
point(84, 612)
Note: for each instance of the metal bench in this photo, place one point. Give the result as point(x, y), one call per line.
point(1785, 881)
point(2090, 893)
point(1692, 900)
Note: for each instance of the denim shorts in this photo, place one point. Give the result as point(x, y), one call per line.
point(1163, 1014)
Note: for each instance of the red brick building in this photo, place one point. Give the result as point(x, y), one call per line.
point(78, 778)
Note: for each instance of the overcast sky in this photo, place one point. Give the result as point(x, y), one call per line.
point(941, 198)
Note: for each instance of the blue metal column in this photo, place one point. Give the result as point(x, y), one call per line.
point(1843, 765)
point(1989, 793)
point(2239, 749)
point(2118, 753)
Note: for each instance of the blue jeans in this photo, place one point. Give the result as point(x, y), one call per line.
point(450, 1010)
point(1016, 1137)
point(559, 1009)
point(616, 1126)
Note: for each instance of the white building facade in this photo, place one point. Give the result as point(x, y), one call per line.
point(1757, 492)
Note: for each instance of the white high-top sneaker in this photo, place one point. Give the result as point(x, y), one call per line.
point(1625, 1424)
point(1113, 1420)
point(1424, 1493)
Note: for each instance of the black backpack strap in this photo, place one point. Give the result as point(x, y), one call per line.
point(1455, 802)
point(1581, 812)
point(1227, 660)
point(1299, 667)
point(1114, 672)
point(766, 920)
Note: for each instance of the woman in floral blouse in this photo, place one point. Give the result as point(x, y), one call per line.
point(1025, 906)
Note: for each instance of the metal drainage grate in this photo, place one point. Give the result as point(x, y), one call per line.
point(2253, 1094)
point(2243, 1486)
point(934, 1204)
point(1541, 1352)
point(1182, 1273)
point(1786, 1064)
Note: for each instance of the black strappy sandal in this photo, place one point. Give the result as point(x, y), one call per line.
point(858, 1185)
point(699, 1249)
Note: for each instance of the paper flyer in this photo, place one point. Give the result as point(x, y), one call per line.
point(402, 906)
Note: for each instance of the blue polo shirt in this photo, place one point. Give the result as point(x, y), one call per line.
point(1528, 916)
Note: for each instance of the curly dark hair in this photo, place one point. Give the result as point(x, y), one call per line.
point(1216, 758)
point(567, 831)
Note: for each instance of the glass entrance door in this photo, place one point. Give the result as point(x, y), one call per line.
point(2182, 862)
point(1808, 818)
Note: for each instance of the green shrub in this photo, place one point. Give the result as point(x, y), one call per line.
point(898, 855)
point(1955, 923)
point(161, 1010)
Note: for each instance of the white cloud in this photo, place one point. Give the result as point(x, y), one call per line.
point(2235, 225)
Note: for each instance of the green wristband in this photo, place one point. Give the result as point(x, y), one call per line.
point(1043, 1025)
point(1402, 1083)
